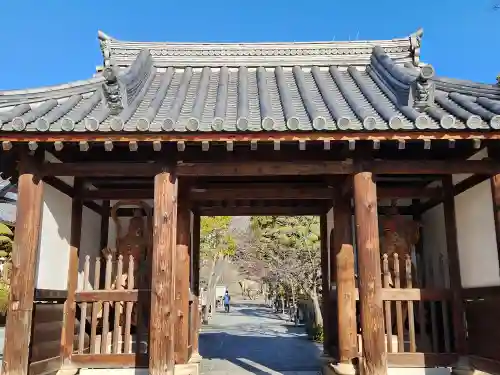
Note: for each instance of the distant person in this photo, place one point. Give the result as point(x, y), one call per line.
point(227, 299)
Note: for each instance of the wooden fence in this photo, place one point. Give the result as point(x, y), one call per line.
point(116, 316)
point(417, 315)
point(115, 313)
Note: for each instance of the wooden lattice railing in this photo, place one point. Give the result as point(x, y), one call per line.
point(113, 311)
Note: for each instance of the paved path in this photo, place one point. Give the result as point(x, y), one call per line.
point(251, 339)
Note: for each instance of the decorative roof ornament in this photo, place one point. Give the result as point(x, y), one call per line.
point(112, 91)
point(415, 44)
point(423, 90)
point(105, 44)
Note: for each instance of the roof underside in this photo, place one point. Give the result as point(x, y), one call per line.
point(333, 86)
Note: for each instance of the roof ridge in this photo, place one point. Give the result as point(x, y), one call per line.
point(253, 54)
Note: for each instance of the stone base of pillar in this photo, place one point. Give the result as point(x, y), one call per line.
point(187, 369)
point(195, 358)
point(462, 367)
point(339, 369)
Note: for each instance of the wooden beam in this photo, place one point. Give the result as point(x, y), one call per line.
point(263, 191)
point(458, 188)
point(270, 168)
point(495, 195)
point(343, 260)
point(117, 194)
point(162, 319)
point(370, 284)
point(68, 190)
point(458, 307)
point(68, 332)
point(24, 259)
point(262, 210)
point(182, 264)
point(124, 137)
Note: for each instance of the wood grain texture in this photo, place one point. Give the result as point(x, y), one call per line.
point(161, 343)
point(346, 289)
point(370, 283)
point(24, 256)
point(67, 337)
point(182, 269)
point(457, 302)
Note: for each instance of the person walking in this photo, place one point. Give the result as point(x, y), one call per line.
point(227, 299)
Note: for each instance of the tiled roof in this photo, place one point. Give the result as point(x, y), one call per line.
point(331, 86)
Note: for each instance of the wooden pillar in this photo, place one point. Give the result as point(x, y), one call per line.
point(196, 253)
point(24, 259)
point(195, 285)
point(458, 308)
point(163, 312)
point(370, 283)
point(494, 153)
point(343, 252)
point(325, 280)
point(68, 332)
point(182, 268)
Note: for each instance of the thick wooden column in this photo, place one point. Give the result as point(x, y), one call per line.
point(458, 308)
point(196, 253)
point(163, 312)
point(494, 153)
point(325, 280)
point(370, 283)
point(24, 258)
point(68, 332)
point(195, 285)
point(343, 252)
point(182, 268)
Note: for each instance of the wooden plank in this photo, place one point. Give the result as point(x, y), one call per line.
point(481, 292)
point(261, 210)
point(47, 366)
point(343, 137)
point(138, 360)
point(270, 168)
point(457, 302)
point(370, 283)
point(50, 295)
point(421, 360)
point(24, 256)
point(161, 341)
point(67, 336)
point(182, 264)
point(343, 253)
point(415, 294)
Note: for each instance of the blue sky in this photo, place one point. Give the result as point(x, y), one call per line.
point(46, 42)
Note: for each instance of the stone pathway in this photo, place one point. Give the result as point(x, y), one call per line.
point(251, 339)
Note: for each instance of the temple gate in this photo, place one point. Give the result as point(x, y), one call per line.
point(361, 134)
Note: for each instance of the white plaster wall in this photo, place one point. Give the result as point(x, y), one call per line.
point(90, 245)
point(476, 235)
point(53, 254)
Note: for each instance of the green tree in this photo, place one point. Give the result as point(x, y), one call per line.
point(290, 246)
point(216, 245)
point(6, 241)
